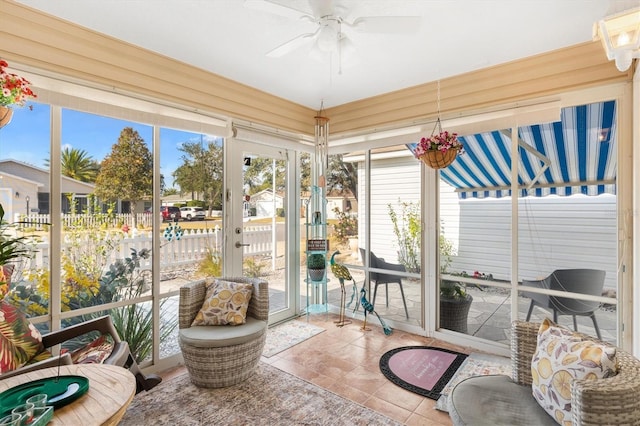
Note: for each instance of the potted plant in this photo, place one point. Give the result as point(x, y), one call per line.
point(454, 305)
point(11, 249)
point(438, 150)
point(316, 264)
point(14, 90)
point(455, 302)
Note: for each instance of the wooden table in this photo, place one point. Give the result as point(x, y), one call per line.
point(111, 389)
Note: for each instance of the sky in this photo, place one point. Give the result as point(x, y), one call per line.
point(27, 137)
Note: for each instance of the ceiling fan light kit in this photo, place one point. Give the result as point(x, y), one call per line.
point(329, 34)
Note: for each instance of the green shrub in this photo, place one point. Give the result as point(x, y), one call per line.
point(316, 261)
point(347, 226)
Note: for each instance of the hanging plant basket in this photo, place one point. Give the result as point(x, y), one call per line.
point(439, 159)
point(440, 149)
point(5, 116)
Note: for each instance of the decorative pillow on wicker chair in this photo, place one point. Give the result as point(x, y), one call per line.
point(20, 341)
point(225, 303)
point(561, 357)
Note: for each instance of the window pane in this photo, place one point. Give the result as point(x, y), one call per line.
point(24, 196)
point(475, 239)
point(568, 219)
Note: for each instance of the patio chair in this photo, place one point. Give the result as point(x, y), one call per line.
point(386, 279)
point(583, 281)
point(117, 353)
point(222, 355)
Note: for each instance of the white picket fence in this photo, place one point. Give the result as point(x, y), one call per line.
point(39, 221)
point(189, 249)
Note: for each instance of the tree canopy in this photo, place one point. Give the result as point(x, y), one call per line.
point(127, 172)
point(201, 171)
point(77, 164)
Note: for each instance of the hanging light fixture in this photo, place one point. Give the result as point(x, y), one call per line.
point(620, 36)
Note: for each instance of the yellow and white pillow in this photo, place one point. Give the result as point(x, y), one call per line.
point(561, 357)
point(225, 303)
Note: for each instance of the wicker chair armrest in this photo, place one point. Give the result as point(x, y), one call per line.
point(613, 400)
point(103, 324)
point(524, 340)
point(259, 303)
point(191, 299)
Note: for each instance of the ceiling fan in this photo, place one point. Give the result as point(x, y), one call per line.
point(331, 21)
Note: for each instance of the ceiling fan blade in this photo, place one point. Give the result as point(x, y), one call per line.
point(386, 24)
point(276, 9)
point(291, 45)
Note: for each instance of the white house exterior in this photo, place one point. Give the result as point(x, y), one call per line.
point(23, 180)
point(577, 231)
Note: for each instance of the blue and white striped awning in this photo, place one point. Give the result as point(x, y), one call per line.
point(576, 155)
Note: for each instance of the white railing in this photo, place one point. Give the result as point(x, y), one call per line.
point(190, 249)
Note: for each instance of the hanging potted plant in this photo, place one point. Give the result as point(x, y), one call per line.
point(441, 148)
point(14, 90)
point(438, 150)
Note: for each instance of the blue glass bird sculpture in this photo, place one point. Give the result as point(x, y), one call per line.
point(342, 273)
point(368, 309)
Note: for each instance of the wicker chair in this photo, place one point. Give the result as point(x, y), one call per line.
point(500, 400)
point(222, 355)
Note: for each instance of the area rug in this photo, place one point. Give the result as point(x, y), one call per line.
point(476, 364)
point(424, 370)
point(288, 334)
point(270, 397)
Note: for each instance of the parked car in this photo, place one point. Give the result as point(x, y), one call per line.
point(170, 213)
point(192, 213)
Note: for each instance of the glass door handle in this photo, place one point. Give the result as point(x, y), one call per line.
point(239, 244)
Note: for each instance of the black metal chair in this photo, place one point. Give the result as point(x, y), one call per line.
point(386, 279)
point(583, 281)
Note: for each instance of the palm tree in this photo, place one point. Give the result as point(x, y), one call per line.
point(78, 164)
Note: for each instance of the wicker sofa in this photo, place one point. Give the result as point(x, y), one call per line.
point(222, 355)
point(500, 400)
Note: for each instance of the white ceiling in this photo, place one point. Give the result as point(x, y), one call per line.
point(230, 39)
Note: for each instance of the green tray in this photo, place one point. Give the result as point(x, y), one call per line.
point(41, 416)
point(60, 391)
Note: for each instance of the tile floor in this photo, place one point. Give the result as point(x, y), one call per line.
point(345, 361)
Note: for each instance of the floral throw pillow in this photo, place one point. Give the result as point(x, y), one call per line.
point(20, 341)
point(561, 357)
point(94, 352)
point(225, 303)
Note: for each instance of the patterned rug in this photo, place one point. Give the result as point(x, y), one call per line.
point(424, 370)
point(476, 364)
point(288, 334)
point(271, 397)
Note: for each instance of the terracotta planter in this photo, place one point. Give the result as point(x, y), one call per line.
point(5, 115)
point(454, 312)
